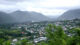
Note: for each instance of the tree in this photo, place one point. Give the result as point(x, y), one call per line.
point(76, 36)
point(8, 42)
point(1, 41)
point(56, 35)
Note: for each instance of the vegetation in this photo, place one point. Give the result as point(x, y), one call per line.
point(55, 36)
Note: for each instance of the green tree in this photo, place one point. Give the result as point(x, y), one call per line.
point(56, 35)
point(1, 41)
point(75, 36)
point(8, 42)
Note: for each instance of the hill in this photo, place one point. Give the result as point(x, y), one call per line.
point(6, 18)
point(71, 14)
point(21, 17)
point(24, 16)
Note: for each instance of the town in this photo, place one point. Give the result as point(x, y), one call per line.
point(34, 31)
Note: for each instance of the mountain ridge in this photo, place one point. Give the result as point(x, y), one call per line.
point(70, 14)
point(22, 16)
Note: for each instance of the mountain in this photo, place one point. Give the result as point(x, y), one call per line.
point(71, 14)
point(25, 16)
point(38, 17)
point(5, 18)
point(20, 16)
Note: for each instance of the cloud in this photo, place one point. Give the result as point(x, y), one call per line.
point(24, 0)
point(6, 2)
point(8, 8)
point(53, 7)
point(47, 7)
point(65, 4)
point(15, 0)
point(47, 11)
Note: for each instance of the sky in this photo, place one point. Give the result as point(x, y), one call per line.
point(46, 7)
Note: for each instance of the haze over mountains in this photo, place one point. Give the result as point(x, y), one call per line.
point(71, 14)
point(26, 16)
point(22, 16)
point(5, 18)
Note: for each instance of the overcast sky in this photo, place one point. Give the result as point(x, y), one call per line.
point(47, 7)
